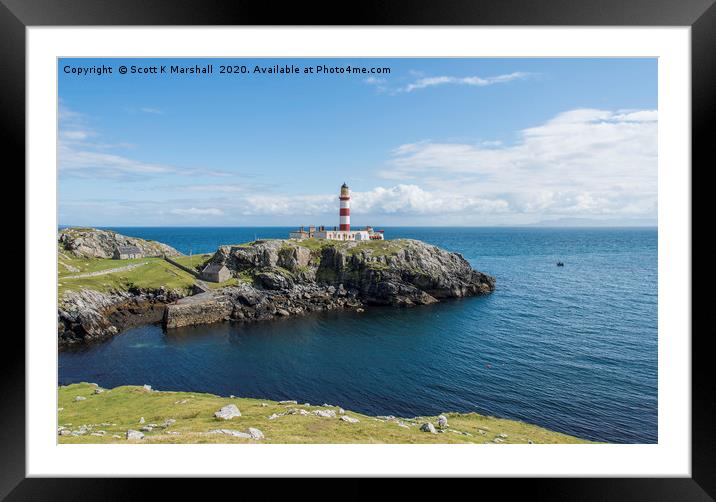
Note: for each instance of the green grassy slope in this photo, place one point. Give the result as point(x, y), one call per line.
point(117, 410)
point(154, 273)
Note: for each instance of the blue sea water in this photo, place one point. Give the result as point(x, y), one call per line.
point(571, 348)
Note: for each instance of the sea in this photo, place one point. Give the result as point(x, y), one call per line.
point(570, 348)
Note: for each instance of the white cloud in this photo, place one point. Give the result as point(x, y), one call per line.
point(413, 200)
point(215, 188)
point(75, 135)
point(289, 205)
point(581, 162)
point(196, 211)
point(475, 81)
point(422, 81)
point(85, 163)
point(374, 81)
point(395, 200)
point(151, 110)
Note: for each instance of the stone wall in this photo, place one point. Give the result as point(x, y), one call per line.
point(199, 309)
point(183, 267)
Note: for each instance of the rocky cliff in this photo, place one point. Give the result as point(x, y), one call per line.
point(94, 243)
point(281, 278)
point(391, 272)
point(87, 316)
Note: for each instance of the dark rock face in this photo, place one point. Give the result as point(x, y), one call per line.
point(89, 316)
point(246, 303)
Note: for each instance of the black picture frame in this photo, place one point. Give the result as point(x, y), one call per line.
point(700, 15)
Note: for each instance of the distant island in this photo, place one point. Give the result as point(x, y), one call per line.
point(108, 282)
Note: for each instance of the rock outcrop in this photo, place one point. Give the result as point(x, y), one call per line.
point(282, 278)
point(95, 243)
point(228, 412)
point(246, 303)
point(393, 272)
point(87, 315)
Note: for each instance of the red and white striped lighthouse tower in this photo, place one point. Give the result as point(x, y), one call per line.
point(345, 211)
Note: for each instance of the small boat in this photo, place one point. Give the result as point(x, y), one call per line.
point(560, 264)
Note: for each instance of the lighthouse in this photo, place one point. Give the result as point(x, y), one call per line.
point(345, 209)
point(342, 233)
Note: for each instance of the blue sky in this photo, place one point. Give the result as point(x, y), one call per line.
point(434, 142)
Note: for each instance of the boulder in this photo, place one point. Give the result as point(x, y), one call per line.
point(228, 412)
point(442, 421)
point(132, 434)
point(80, 398)
point(428, 427)
point(230, 432)
point(325, 413)
point(348, 419)
point(255, 433)
point(274, 280)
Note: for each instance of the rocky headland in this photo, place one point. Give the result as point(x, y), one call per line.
point(95, 243)
point(277, 278)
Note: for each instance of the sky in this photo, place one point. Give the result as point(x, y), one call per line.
point(432, 142)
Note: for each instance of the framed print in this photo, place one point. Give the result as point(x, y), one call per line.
point(455, 232)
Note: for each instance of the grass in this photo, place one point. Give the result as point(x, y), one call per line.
point(196, 261)
point(88, 265)
point(313, 244)
point(156, 273)
point(229, 282)
point(117, 410)
point(151, 274)
point(378, 248)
